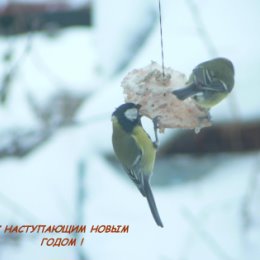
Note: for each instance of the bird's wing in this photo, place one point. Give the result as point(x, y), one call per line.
point(202, 76)
point(134, 169)
point(141, 180)
point(206, 80)
point(217, 85)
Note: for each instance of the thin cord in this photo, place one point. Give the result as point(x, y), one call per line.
point(161, 34)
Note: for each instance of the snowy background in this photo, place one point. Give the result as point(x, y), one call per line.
point(67, 179)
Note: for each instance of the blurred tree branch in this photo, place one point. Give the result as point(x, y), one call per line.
point(251, 206)
point(20, 142)
point(59, 111)
point(215, 139)
point(80, 203)
point(18, 18)
point(201, 28)
point(12, 67)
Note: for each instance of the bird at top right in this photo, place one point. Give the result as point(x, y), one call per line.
point(209, 83)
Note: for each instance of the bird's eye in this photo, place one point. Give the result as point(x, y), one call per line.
point(131, 114)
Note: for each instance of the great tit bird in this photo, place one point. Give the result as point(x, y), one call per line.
point(135, 151)
point(210, 82)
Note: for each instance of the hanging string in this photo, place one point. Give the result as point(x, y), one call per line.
point(161, 34)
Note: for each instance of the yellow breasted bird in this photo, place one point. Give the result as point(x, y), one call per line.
point(135, 151)
point(210, 82)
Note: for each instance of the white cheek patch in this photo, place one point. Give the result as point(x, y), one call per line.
point(131, 114)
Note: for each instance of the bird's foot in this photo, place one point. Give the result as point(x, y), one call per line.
point(155, 127)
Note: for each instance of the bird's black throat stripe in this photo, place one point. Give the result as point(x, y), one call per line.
point(127, 124)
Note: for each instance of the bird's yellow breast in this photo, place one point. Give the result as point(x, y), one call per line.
point(146, 145)
point(128, 145)
point(210, 100)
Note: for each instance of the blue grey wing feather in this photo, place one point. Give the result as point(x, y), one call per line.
point(206, 80)
point(216, 86)
point(202, 76)
point(133, 165)
point(136, 174)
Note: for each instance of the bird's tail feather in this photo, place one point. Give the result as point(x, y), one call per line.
point(186, 92)
point(151, 201)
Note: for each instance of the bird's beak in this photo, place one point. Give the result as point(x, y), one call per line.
point(138, 106)
point(113, 118)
